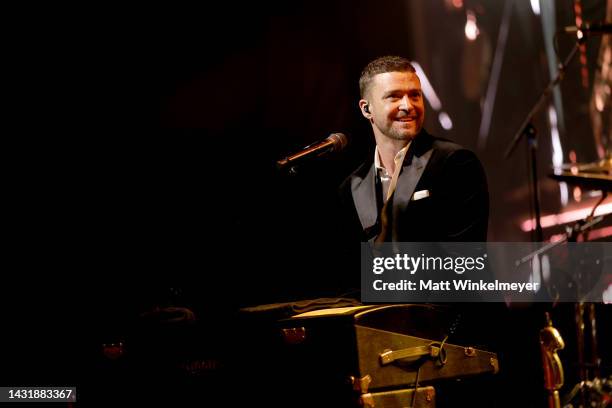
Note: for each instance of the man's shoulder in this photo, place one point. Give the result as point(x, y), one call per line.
point(447, 149)
point(360, 172)
point(425, 142)
point(445, 145)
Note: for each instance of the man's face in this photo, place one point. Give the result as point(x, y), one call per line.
point(396, 105)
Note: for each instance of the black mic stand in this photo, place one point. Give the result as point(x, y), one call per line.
point(528, 130)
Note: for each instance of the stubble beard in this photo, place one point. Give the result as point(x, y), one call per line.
point(396, 134)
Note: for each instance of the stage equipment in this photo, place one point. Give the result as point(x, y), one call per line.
point(366, 354)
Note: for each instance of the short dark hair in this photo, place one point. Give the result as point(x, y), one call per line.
point(389, 63)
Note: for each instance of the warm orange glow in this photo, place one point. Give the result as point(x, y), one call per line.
point(593, 235)
point(577, 194)
point(600, 233)
point(566, 217)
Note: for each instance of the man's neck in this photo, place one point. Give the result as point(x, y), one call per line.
point(387, 150)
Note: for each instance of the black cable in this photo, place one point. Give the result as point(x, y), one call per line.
point(416, 388)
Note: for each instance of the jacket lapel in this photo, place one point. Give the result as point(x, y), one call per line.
point(413, 168)
point(408, 180)
point(364, 197)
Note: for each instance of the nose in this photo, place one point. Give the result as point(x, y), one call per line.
point(405, 103)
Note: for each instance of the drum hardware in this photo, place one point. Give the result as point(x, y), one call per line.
point(550, 342)
point(550, 338)
point(598, 392)
point(602, 166)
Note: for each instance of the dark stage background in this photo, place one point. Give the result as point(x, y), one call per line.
point(153, 181)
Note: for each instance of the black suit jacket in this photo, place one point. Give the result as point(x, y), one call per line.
point(456, 208)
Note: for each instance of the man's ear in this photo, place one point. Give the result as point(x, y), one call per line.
point(364, 106)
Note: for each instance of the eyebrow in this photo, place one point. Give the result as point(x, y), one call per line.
point(395, 91)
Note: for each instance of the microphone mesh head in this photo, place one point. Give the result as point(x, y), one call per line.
point(339, 141)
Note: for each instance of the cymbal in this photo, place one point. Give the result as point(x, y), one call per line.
point(602, 166)
point(588, 180)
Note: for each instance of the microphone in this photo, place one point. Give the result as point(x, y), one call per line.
point(589, 28)
point(333, 143)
